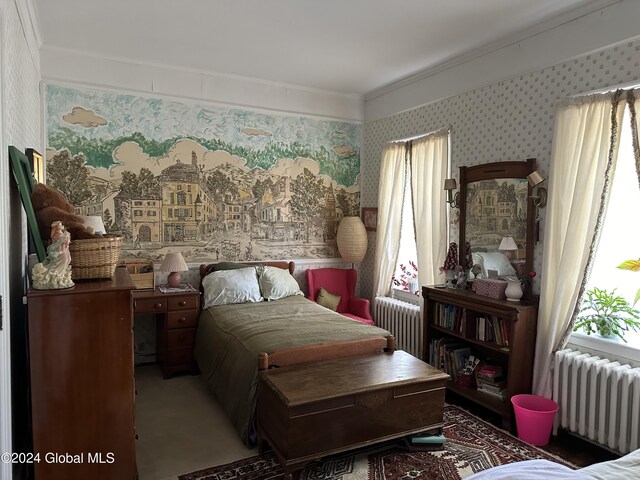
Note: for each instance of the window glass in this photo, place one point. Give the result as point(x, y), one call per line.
point(620, 231)
point(406, 268)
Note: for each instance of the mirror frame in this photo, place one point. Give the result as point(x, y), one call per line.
point(491, 171)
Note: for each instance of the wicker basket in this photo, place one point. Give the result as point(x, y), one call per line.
point(94, 257)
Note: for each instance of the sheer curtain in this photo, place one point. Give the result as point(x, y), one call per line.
point(429, 166)
point(585, 146)
point(390, 201)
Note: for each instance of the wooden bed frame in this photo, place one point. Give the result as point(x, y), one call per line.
point(312, 353)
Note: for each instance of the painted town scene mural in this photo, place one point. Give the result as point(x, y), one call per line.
point(213, 183)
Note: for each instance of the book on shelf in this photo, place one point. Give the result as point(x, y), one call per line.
point(491, 387)
point(489, 370)
point(500, 395)
point(494, 380)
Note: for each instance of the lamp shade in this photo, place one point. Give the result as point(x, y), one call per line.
point(508, 243)
point(535, 178)
point(352, 239)
point(173, 262)
point(450, 184)
point(94, 222)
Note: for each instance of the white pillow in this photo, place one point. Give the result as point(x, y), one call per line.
point(231, 286)
point(277, 283)
point(496, 261)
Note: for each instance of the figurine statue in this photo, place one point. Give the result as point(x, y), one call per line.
point(55, 271)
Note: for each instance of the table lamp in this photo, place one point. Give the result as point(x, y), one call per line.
point(173, 263)
point(508, 246)
point(352, 239)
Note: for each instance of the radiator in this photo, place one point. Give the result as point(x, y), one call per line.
point(402, 319)
point(599, 399)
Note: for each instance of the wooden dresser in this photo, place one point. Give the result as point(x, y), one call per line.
point(82, 380)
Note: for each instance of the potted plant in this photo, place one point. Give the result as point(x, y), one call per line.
point(450, 263)
point(634, 266)
point(606, 313)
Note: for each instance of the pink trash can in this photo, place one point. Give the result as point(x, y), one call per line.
point(534, 418)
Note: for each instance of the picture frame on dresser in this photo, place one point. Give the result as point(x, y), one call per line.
point(36, 161)
point(26, 183)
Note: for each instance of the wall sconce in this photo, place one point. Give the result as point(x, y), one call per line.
point(535, 178)
point(449, 186)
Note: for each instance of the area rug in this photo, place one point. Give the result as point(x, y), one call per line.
point(471, 445)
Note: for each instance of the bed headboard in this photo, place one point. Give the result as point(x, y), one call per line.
point(207, 268)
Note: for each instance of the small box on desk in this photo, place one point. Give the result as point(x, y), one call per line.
point(141, 272)
point(490, 287)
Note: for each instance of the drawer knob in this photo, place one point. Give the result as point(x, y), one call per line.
point(158, 305)
point(182, 303)
point(181, 338)
point(182, 319)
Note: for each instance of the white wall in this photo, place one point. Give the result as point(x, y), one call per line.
point(62, 66)
point(20, 125)
point(503, 113)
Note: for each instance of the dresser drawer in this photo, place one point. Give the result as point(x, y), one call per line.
point(180, 356)
point(184, 319)
point(189, 302)
point(181, 337)
point(150, 305)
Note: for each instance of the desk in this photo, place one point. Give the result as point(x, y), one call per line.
point(177, 316)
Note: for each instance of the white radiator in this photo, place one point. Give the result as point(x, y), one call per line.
point(402, 319)
point(598, 399)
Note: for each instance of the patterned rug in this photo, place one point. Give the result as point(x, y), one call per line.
point(471, 445)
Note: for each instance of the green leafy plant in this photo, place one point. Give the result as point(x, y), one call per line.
point(606, 313)
point(634, 266)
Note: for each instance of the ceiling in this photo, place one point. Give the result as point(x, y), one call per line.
point(348, 46)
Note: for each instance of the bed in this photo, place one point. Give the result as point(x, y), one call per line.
point(623, 468)
point(234, 340)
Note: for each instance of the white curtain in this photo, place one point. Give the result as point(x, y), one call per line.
point(390, 201)
point(583, 153)
point(429, 166)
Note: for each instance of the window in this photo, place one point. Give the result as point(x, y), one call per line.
point(620, 231)
point(137, 213)
point(406, 268)
point(405, 277)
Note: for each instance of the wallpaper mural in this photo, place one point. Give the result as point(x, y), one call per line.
point(214, 183)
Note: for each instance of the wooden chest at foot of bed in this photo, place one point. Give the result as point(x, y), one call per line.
point(308, 411)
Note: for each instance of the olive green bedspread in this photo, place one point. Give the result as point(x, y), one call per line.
point(230, 337)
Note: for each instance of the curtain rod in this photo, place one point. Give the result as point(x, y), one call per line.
point(422, 135)
point(621, 86)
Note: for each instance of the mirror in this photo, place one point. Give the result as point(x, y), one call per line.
point(495, 203)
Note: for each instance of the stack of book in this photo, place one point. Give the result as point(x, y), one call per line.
point(490, 380)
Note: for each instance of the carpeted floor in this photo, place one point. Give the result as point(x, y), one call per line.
point(471, 445)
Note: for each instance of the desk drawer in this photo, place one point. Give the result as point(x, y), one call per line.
point(182, 319)
point(150, 305)
point(181, 337)
point(189, 302)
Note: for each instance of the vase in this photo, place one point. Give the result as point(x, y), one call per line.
point(513, 291)
point(450, 275)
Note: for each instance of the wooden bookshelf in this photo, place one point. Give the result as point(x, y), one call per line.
point(507, 338)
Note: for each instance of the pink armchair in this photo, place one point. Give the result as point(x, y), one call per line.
point(339, 281)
